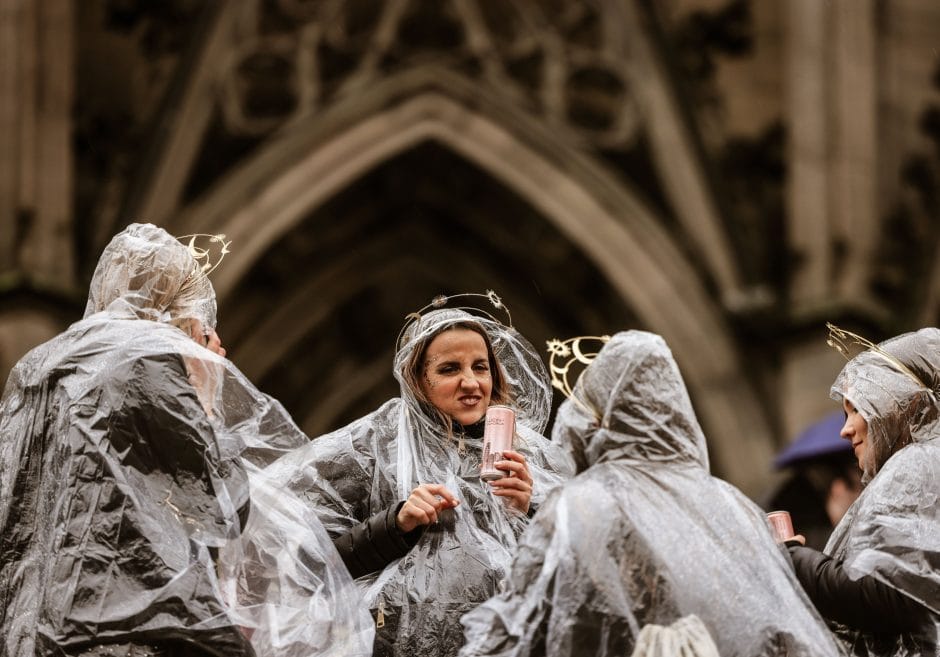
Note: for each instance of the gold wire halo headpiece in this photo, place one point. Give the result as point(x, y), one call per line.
point(566, 354)
point(442, 300)
point(841, 340)
point(208, 252)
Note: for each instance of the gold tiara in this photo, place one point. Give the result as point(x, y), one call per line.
point(566, 354)
point(841, 340)
point(208, 253)
point(443, 300)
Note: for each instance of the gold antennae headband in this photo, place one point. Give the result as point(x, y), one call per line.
point(840, 340)
point(209, 253)
point(565, 354)
point(442, 300)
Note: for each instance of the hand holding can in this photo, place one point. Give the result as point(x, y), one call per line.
point(781, 526)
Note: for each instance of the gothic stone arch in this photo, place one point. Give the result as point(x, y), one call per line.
point(305, 165)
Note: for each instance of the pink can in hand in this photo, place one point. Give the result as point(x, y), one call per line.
point(497, 438)
point(780, 525)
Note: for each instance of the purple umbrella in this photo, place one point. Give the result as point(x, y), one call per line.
point(819, 439)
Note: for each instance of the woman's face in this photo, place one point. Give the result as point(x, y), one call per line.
point(457, 377)
point(855, 430)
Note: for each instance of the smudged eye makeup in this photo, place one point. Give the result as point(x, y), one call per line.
point(443, 369)
point(457, 378)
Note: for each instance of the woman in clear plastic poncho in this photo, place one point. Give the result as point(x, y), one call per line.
point(420, 451)
point(643, 534)
point(127, 466)
point(878, 578)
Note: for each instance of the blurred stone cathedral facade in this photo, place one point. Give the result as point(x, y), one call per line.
point(730, 174)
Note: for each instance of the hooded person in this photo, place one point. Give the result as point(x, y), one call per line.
point(400, 492)
point(643, 535)
point(878, 578)
point(129, 461)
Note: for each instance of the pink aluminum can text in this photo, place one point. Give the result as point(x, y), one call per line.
point(780, 525)
point(497, 438)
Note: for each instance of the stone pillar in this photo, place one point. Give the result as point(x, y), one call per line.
point(832, 196)
point(9, 129)
point(36, 243)
point(36, 93)
point(855, 146)
point(810, 175)
point(831, 116)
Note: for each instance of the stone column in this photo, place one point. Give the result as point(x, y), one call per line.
point(832, 197)
point(36, 243)
point(855, 145)
point(36, 92)
point(9, 128)
point(810, 233)
point(831, 116)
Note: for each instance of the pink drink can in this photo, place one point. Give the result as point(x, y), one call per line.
point(497, 438)
point(780, 525)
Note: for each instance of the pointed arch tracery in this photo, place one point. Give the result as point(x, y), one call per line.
point(303, 167)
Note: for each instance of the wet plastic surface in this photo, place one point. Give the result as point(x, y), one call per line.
point(892, 531)
point(644, 534)
point(375, 462)
point(131, 457)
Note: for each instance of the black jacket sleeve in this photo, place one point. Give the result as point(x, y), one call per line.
point(865, 604)
point(376, 542)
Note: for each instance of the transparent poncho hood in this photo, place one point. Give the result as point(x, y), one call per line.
point(372, 464)
point(892, 531)
point(644, 534)
point(134, 505)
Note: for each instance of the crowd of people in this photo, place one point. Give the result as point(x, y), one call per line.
point(153, 502)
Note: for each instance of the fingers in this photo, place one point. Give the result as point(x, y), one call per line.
point(427, 502)
point(424, 512)
point(516, 464)
point(517, 497)
point(438, 489)
point(415, 512)
point(512, 455)
point(520, 496)
point(423, 506)
point(517, 487)
point(515, 483)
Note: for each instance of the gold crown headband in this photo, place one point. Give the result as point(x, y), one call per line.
point(442, 300)
point(565, 354)
point(840, 340)
point(209, 253)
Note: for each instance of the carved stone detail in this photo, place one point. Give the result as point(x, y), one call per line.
point(557, 59)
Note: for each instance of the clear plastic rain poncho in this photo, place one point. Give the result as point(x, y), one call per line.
point(644, 534)
point(132, 507)
point(892, 531)
point(375, 462)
